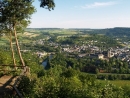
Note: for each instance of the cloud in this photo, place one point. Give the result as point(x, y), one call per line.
point(98, 4)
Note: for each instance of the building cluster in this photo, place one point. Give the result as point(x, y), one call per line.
point(95, 52)
point(89, 51)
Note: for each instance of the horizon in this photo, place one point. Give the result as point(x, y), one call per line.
point(73, 28)
point(83, 14)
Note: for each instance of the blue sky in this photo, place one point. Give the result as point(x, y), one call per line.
point(83, 14)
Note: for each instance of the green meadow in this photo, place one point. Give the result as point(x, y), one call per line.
point(119, 83)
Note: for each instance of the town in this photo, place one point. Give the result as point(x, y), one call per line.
point(85, 49)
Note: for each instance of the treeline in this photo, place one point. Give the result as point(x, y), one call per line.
point(90, 65)
point(118, 32)
point(112, 32)
point(92, 39)
point(39, 47)
point(107, 76)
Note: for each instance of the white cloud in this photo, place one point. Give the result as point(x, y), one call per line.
point(98, 4)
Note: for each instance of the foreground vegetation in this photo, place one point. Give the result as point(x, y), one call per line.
point(64, 81)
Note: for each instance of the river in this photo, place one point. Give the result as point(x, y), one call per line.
point(44, 63)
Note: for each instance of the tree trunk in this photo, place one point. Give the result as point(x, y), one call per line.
point(12, 50)
point(18, 48)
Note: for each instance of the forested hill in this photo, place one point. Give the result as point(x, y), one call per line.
point(112, 32)
point(118, 31)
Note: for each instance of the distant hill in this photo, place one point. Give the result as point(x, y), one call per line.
point(113, 32)
point(119, 32)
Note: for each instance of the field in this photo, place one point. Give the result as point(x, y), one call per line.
point(27, 34)
point(119, 83)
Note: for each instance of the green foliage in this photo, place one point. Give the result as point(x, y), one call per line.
point(23, 11)
point(41, 73)
point(89, 65)
point(32, 61)
point(49, 4)
point(70, 73)
point(5, 57)
point(101, 40)
point(26, 86)
point(58, 59)
point(113, 76)
point(76, 85)
point(127, 90)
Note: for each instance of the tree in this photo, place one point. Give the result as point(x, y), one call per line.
point(17, 13)
point(48, 4)
point(6, 29)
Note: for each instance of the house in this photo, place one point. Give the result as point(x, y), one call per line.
point(41, 54)
point(82, 55)
point(100, 56)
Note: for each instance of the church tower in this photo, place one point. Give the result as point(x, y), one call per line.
point(109, 53)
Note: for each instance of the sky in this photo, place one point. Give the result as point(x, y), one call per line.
point(83, 14)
